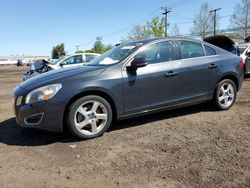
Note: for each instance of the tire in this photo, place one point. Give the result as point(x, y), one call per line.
point(225, 94)
point(89, 117)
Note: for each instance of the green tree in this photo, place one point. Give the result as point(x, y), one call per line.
point(58, 51)
point(79, 51)
point(138, 32)
point(108, 47)
point(240, 19)
point(155, 27)
point(203, 22)
point(99, 47)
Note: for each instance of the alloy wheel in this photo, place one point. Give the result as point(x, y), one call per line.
point(90, 117)
point(226, 95)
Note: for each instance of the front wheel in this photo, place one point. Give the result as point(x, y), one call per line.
point(89, 117)
point(225, 94)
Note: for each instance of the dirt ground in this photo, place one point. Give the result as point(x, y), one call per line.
point(190, 147)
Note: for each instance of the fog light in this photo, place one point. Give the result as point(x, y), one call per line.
point(34, 119)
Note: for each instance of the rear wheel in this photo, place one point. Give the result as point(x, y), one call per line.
point(225, 94)
point(89, 117)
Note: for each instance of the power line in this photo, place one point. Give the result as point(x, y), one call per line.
point(128, 26)
point(173, 4)
point(180, 23)
point(122, 29)
point(180, 3)
point(180, 16)
point(210, 32)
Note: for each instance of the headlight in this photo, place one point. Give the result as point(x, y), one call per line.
point(43, 93)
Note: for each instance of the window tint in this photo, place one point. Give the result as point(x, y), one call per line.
point(74, 60)
point(210, 51)
point(191, 49)
point(90, 57)
point(157, 53)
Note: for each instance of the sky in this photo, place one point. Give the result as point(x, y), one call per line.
point(33, 27)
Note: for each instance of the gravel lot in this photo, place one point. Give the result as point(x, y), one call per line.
point(190, 147)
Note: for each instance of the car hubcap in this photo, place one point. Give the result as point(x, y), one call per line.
point(90, 117)
point(226, 95)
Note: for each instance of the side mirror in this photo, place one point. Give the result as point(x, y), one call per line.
point(61, 64)
point(138, 63)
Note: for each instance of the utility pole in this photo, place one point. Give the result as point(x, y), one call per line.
point(215, 11)
point(77, 47)
point(99, 39)
point(246, 22)
point(166, 11)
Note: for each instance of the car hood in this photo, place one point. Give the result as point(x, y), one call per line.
point(61, 75)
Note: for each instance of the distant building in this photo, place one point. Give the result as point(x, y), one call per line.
point(4, 60)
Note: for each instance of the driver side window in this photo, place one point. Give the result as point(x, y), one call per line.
point(158, 53)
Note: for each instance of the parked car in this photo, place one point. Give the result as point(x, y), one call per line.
point(41, 66)
point(244, 54)
point(130, 80)
point(223, 42)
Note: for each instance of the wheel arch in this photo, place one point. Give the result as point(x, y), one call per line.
point(96, 92)
point(230, 76)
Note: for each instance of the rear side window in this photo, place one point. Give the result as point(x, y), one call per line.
point(90, 57)
point(74, 60)
point(191, 49)
point(210, 51)
point(158, 53)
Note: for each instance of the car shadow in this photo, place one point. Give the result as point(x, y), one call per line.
point(168, 114)
point(12, 134)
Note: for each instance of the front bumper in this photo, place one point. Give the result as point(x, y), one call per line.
point(46, 115)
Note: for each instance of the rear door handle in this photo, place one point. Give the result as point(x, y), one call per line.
point(212, 66)
point(171, 74)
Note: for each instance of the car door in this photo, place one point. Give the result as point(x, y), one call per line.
point(75, 60)
point(199, 70)
point(156, 84)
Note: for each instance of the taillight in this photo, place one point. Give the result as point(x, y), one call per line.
point(241, 64)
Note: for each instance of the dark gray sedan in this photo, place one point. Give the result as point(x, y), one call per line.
point(130, 80)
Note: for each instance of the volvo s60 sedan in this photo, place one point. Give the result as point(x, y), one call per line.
point(130, 80)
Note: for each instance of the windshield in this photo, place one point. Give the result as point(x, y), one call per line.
point(116, 54)
point(53, 62)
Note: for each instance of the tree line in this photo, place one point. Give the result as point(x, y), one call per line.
point(202, 26)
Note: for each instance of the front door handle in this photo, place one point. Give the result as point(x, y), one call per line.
point(171, 74)
point(212, 66)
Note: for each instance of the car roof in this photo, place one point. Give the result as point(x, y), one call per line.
point(145, 41)
point(84, 54)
